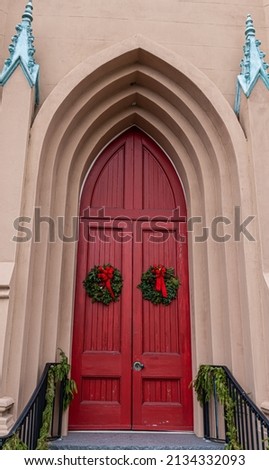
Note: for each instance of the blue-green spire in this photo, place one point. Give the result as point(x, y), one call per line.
point(253, 65)
point(22, 51)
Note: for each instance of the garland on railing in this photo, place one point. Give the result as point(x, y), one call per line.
point(57, 373)
point(42, 443)
point(206, 379)
point(14, 443)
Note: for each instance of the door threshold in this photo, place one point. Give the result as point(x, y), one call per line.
point(130, 431)
point(132, 440)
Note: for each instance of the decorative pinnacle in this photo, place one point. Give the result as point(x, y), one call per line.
point(22, 51)
point(253, 65)
point(250, 30)
point(253, 62)
point(28, 13)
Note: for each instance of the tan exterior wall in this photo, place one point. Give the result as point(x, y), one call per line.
point(3, 17)
point(16, 112)
point(168, 67)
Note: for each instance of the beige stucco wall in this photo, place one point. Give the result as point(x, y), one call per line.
point(266, 12)
point(16, 112)
point(170, 54)
point(254, 119)
point(3, 17)
point(209, 34)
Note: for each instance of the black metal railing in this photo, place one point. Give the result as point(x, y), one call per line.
point(29, 423)
point(252, 426)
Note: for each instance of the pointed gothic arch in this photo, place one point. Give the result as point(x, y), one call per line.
point(137, 82)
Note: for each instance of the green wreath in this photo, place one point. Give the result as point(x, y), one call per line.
point(103, 284)
point(159, 285)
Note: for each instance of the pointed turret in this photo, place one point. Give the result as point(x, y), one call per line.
point(253, 65)
point(22, 51)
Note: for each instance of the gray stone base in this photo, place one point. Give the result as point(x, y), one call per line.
point(133, 440)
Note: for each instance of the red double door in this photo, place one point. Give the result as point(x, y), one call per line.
point(132, 359)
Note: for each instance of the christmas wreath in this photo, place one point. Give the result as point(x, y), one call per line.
point(159, 284)
point(103, 284)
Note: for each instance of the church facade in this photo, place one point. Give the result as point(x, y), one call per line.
point(133, 135)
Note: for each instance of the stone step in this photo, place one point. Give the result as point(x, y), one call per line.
point(133, 440)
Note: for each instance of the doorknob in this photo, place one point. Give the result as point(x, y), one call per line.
point(138, 366)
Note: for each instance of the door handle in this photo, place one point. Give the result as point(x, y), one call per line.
point(138, 366)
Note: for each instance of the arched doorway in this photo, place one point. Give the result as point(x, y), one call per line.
point(132, 215)
point(187, 115)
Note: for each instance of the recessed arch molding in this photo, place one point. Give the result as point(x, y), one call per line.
point(137, 83)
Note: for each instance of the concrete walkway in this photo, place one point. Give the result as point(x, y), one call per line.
point(133, 440)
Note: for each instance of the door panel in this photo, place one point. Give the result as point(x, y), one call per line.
point(132, 216)
point(160, 398)
point(101, 349)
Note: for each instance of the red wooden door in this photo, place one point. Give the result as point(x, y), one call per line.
point(133, 215)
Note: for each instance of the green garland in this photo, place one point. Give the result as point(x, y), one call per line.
point(206, 379)
point(159, 285)
point(57, 372)
point(103, 284)
point(14, 443)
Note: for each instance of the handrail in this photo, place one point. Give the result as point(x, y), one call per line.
point(252, 426)
point(29, 423)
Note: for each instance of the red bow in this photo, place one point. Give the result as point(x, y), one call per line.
point(160, 286)
point(106, 275)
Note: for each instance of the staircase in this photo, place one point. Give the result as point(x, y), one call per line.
point(245, 428)
point(133, 441)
